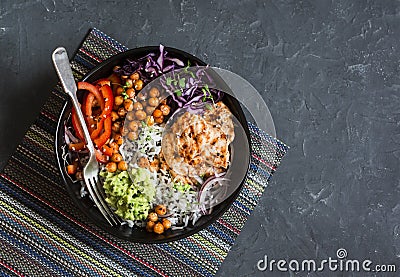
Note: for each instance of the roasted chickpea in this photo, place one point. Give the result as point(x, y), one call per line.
point(114, 146)
point(116, 126)
point(135, 76)
point(121, 112)
point(114, 116)
point(124, 130)
point(132, 135)
point(137, 106)
point(152, 217)
point(153, 101)
point(124, 77)
point(130, 116)
point(140, 115)
point(129, 83)
point(144, 103)
point(140, 96)
point(128, 105)
point(157, 113)
point(158, 228)
point(122, 165)
point(115, 136)
point(160, 209)
point(150, 226)
point(133, 125)
point(165, 109)
point(154, 92)
point(149, 109)
point(116, 157)
point(138, 84)
point(144, 162)
point(118, 100)
point(130, 92)
point(119, 90)
point(111, 167)
point(118, 139)
point(166, 223)
point(159, 120)
point(149, 120)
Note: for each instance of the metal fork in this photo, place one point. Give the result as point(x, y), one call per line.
point(91, 169)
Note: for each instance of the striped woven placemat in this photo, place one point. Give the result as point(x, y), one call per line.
point(42, 233)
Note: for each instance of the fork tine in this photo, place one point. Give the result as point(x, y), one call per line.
point(90, 173)
point(101, 197)
point(96, 200)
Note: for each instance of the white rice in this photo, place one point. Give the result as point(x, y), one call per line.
point(183, 207)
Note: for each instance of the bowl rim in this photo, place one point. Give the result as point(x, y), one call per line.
point(223, 207)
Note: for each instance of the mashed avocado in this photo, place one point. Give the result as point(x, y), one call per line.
point(131, 197)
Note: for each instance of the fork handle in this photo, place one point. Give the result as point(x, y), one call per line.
point(64, 72)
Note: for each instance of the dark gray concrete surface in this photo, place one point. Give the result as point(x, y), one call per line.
point(329, 72)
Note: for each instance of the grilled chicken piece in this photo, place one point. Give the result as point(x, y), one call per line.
point(221, 117)
point(199, 145)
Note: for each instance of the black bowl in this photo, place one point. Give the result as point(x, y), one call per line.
point(240, 163)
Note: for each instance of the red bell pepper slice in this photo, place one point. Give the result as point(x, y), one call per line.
point(108, 102)
point(100, 157)
point(108, 96)
point(94, 90)
point(88, 103)
point(108, 105)
point(76, 146)
point(104, 96)
point(102, 82)
point(96, 132)
point(76, 125)
point(102, 139)
point(87, 111)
